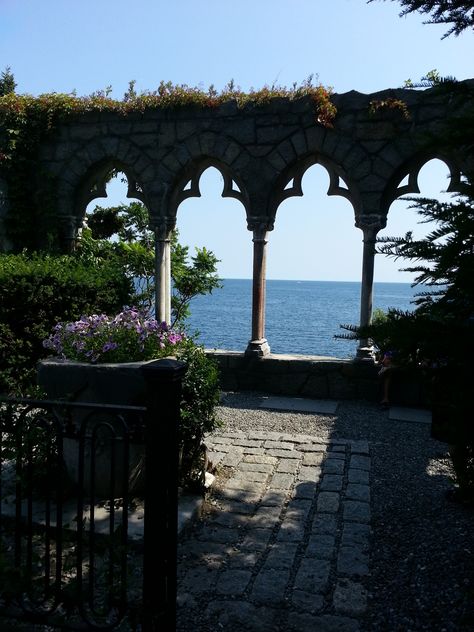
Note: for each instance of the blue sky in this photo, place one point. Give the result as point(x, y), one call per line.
point(65, 45)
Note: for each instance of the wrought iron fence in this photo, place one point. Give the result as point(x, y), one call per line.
point(88, 509)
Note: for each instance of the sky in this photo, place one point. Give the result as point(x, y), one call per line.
point(66, 45)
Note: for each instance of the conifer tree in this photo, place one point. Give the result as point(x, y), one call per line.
point(7, 82)
point(459, 14)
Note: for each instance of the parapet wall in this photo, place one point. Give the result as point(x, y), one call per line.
point(314, 377)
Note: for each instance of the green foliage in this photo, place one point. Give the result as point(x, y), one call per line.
point(395, 105)
point(36, 292)
point(200, 394)
point(133, 245)
point(438, 335)
point(191, 277)
point(7, 82)
point(459, 14)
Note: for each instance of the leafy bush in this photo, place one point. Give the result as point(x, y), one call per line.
point(38, 291)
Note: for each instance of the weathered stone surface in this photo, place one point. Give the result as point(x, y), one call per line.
point(332, 482)
point(350, 598)
point(313, 577)
point(269, 587)
point(356, 511)
point(328, 502)
point(356, 491)
point(352, 561)
point(233, 582)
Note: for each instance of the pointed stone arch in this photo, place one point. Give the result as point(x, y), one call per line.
point(84, 174)
point(186, 185)
point(339, 182)
point(410, 171)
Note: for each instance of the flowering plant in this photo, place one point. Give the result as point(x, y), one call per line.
point(130, 336)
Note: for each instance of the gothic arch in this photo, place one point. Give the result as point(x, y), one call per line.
point(411, 170)
point(187, 183)
point(339, 182)
point(83, 177)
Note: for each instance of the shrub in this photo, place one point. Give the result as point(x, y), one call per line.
point(38, 291)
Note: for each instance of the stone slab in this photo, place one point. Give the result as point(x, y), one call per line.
point(298, 404)
point(416, 415)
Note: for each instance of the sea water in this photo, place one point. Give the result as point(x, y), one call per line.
point(302, 317)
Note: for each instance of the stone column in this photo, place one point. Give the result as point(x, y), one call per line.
point(258, 345)
point(69, 232)
point(163, 271)
point(370, 226)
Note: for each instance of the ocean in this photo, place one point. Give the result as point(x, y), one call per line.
point(302, 317)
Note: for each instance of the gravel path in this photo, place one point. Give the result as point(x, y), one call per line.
point(422, 544)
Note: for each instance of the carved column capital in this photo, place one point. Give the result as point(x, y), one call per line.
point(260, 226)
point(163, 227)
point(69, 227)
point(370, 224)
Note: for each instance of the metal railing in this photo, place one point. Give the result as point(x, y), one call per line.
point(88, 509)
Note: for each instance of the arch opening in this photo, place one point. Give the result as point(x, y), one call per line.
point(313, 260)
point(212, 219)
point(433, 179)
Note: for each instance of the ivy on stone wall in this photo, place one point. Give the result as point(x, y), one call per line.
point(26, 120)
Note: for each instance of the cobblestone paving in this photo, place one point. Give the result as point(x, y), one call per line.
point(285, 545)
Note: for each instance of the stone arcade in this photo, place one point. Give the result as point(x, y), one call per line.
point(262, 152)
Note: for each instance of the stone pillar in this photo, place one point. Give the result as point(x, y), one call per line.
point(163, 271)
point(258, 345)
point(370, 226)
point(69, 232)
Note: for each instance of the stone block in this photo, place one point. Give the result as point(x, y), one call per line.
point(313, 577)
point(315, 137)
point(299, 143)
point(350, 598)
point(328, 502)
point(324, 524)
point(270, 586)
point(276, 161)
point(281, 555)
point(360, 462)
point(307, 602)
point(199, 580)
point(233, 582)
point(265, 517)
point(356, 491)
point(313, 458)
point(305, 490)
point(309, 473)
point(288, 466)
point(281, 481)
point(352, 561)
point(333, 466)
point(356, 534)
point(287, 151)
point(332, 482)
point(356, 511)
point(358, 476)
point(321, 547)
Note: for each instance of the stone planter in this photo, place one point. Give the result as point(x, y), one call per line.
point(104, 433)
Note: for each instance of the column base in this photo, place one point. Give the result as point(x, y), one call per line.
point(365, 354)
point(258, 348)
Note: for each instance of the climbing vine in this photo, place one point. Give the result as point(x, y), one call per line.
point(26, 120)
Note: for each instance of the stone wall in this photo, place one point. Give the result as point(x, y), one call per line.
point(315, 377)
point(261, 150)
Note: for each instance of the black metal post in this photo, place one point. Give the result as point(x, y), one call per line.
point(163, 379)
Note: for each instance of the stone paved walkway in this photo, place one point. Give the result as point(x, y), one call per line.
point(285, 545)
